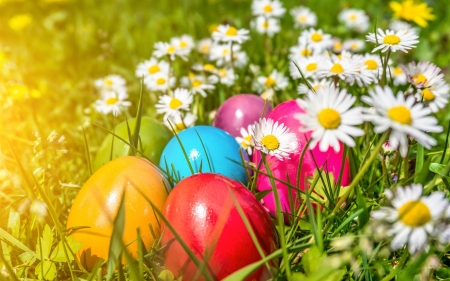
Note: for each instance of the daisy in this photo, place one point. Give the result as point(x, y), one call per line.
point(204, 46)
point(111, 82)
point(197, 84)
point(370, 69)
point(315, 84)
point(413, 216)
point(423, 74)
point(207, 67)
point(393, 41)
point(275, 81)
point(316, 39)
point(403, 116)
point(353, 45)
point(159, 82)
point(344, 69)
point(112, 102)
point(221, 53)
point(226, 76)
point(398, 75)
point(308, 67)
point(298, 52)
point(436, 96)
point(229, 34)
point(269, 26)
point(183, 44)
point(354, 19)
point(240, 58)
point(330, 118)
point(273, 138)
point(397, 25)
point(303, 17)
point(268, 8)
point(172, 104)
point(151, 67)
point(165, 49)
point(179, 121)
point(337, 45)
point(246, 140)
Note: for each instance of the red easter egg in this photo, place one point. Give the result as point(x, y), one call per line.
point(203, 213)
point(287, 169)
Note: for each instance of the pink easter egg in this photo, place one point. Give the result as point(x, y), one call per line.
point(287, 169)
point(240, 111)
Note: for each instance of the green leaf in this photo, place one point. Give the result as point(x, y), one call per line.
point(363, 218)
point(439, 169)
point(166, 275)
point(58, 253)
point(312, 260)
point(46, 267)
point(116, 246)
point(5, 235)
point(45, 243)
point(262, 194)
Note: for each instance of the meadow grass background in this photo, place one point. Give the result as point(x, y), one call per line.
point(69, 44)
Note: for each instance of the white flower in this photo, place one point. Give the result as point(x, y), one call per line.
point(393, 41)
point(315, 84)
point(269, 26)
point(113, 82)
point(330, 117)
point(165, 49)
point(221, 53)
point(403, 115)
point(226, 76)
point(273, 138)
point(398, 25)
point(298, 52)
point(171, 105)
point(204, 46)
point(159, 82)
point(268, 8)
point(179, 121)
point(183, 44)
point(275, 80)
point(112, 102)
point(423, 74)
point(370, 69)
point(197, 84)
point(228, 34)
point(316, 39)
point(354, 19)
point(412, 215)
point(353, 45)
point(245, 140)
point(308, 67)
point(303, 17)
point(151, 67)
point(435, 96)
point(345, 68)
point(398, 75)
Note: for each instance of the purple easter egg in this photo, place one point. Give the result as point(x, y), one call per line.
point(240, 111)
point(287, 169)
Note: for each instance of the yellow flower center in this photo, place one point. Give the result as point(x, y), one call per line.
point(270, 142)
point(400, 114)
point(266, 24)
point(428, 95)
point(268, 8)
point(170, 49)
point(305, 52)
point(209, 67)
point(270, 82)
point(108, 82)
point(160, 81)
point(420, 78)
point(301, 19)
point(316, 37)
point(175, 103)
point(232, 31)
point(414, 213)
point(398, 70)
point(311, 66)
point(337, 46)
point(352, 17)
point(391, 39)
point(354, 46)
point(205, 49)
point(222, 73)
point(183, 44)
point(329, 118)
point(111, 101)
point(196, 83)
point(371, 64)
point(247, 142)
point(153, 69)
point(180, 127)
point(337, 68)
point(225, 52)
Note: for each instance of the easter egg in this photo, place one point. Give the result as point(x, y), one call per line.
point(97, 204)
point(208, 149)
point(287, 169)
point(153, 136)
point(203, 212)
point(240, 111)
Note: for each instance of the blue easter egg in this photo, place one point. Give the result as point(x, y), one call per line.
point(203, 143)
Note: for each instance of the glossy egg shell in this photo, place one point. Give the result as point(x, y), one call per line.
point(287, 169)
point(222, 150)
point(153, 138)
point(240, 111)
point(203, 213)
point(98, 201)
